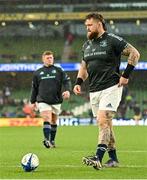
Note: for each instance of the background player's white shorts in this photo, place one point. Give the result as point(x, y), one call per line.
point(55, 108)
point(107, 99)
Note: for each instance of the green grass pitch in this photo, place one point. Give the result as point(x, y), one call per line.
point(64, 162)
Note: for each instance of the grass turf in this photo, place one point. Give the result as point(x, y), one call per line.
point(64, 162)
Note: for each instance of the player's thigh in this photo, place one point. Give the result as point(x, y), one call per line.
point(45, 111)
point(110, 98)
point(56, 110)
point(46, 115)
point(94, 101)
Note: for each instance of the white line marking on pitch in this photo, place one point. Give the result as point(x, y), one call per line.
point(121, 151)
point(73, 166)
point(137, 151)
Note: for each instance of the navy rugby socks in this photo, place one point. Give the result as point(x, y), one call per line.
point(53, 132)
point(101, 149)
point(46, 130)
point(112, 154)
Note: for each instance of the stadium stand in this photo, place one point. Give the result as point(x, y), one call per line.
point(28, 49)
point(25, 40)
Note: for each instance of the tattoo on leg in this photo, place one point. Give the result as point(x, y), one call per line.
point(104, 135)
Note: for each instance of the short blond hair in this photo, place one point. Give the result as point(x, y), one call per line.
point(47, 53)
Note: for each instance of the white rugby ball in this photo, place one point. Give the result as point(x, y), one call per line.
point(30, 162)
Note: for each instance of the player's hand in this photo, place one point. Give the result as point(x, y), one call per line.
point(77, 89)
point(123, 81)
point(66, 95)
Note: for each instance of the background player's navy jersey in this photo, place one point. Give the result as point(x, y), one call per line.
point(47, 85)
point(102, 57)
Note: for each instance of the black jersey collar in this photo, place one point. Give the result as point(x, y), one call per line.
point(102, 36)
point(48, 66)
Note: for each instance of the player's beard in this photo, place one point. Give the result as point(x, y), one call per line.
point(92, 35)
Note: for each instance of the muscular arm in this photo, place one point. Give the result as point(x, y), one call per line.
point(133, 57)
point(82, 76)
point(132, 53)
point(82, 73)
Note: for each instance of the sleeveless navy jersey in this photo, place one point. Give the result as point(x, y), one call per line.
point(102, 58)
point(47, 85)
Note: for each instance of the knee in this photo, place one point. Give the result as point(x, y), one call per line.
point(110, 115)
point(45, 116)
point(103, 125)
point(104, 118)
point(54, 119)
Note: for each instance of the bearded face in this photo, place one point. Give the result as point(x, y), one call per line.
point(92, 35)
point(92, 28)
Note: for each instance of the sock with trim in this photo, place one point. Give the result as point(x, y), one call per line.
point(46, 130)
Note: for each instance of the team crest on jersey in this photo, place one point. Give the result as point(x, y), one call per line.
point(103, 43)
point(54, 71)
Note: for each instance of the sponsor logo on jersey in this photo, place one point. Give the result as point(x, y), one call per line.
point(48, 77)
point(94, 53)
point(41, 73)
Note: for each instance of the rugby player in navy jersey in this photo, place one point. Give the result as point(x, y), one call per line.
point(46, 90)
point(100, 64)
